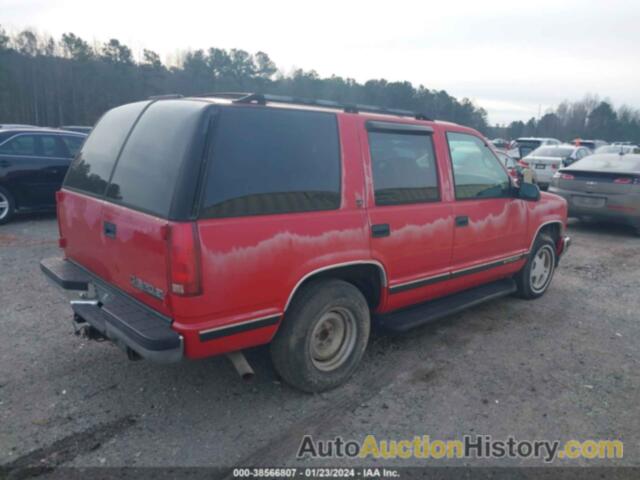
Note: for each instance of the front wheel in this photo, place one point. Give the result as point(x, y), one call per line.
point(535, 277)
point(322, 337)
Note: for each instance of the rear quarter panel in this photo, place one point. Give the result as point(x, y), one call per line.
point(251, 265)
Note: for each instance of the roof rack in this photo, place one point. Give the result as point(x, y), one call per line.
point(263, 99)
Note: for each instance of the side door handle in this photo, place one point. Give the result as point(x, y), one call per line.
point(380, 230)
point(462, 221)
point(110, 229)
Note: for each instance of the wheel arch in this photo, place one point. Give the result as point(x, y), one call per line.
point(369, 276)
point(553, 227)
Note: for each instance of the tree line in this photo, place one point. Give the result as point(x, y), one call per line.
point(589, 118)
point(47, 81)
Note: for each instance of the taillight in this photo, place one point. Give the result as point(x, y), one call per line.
point(523, 163)
point(554, 166)
point(184, 260)
point(563, 176)
point(623, 181)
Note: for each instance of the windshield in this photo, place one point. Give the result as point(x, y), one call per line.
point(552, 152)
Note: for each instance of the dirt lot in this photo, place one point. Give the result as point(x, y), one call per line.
point(565, 366)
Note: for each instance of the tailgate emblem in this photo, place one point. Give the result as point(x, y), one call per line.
point(146, 287)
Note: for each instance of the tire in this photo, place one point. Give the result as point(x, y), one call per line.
point(322, 337)
point(7, 206)
point(542, 262)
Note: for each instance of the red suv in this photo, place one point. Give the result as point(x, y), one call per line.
point(203, 226)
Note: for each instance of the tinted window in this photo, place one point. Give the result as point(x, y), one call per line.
point(92, 167)
point(52, 146)
point(268, 161)
point(73, 144)
point(404, 168)
point(5, 136)
point(147, 171)
point(20, 145)
point(476, 170)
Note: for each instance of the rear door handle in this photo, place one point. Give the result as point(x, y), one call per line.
point(110, 229)
point(462, 221)
point(380, 230)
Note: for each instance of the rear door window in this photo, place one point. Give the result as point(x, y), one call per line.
point(91, 169)
point(404, 168)
point(270, 161)
point(147, 170)
point(52, 146)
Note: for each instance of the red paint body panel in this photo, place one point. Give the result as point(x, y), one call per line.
point(251, 266)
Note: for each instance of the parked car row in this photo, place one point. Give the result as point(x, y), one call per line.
point(598, 180)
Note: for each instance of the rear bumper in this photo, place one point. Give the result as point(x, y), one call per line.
point(618, 208)
point(122, 320)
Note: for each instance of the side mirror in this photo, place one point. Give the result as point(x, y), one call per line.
point(528, 191)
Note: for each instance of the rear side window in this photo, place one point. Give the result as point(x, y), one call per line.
point(91, 169)
point(73, 144)
point(269, 161)
point(147, 171)
point(404, 168)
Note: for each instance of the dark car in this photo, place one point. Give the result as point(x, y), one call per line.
point(33, 163)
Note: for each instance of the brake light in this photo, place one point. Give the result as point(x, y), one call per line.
point(563, 176)
point(184, 260)
point(554, 166)
point(523, 163)
point(624, 180)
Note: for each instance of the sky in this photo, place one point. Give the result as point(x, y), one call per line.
point(515, 59)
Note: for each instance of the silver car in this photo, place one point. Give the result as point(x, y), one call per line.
point(547, 159)
point(602, 186)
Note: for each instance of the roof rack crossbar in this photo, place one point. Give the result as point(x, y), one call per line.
point(263, 99)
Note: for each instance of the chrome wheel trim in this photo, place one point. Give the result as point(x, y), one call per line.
point(4, 206)
point(541, 269)
point(333, 339)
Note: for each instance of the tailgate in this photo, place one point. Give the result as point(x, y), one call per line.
point(123, 247)
point(136, 254)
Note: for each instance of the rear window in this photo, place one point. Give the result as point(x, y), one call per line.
point(91, 169)
point(552, 152)
point(268, 161)
point(146, 173)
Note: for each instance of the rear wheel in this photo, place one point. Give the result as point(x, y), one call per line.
point(534, 279)
point(7, 206)
point(322, 337)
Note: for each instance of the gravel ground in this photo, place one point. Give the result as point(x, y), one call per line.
point(562, 367)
